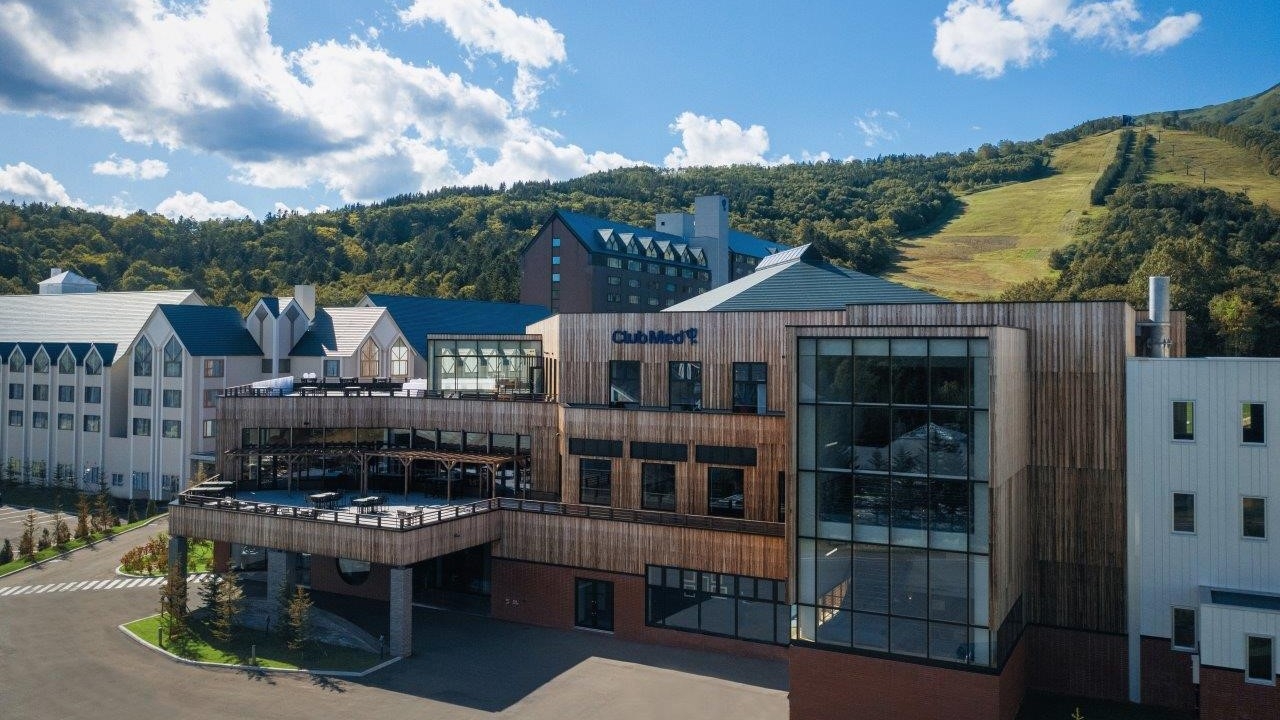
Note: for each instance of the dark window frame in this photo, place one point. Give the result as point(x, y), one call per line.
point(1177, 638)
point(750, 385)
point(725, 505)
point(684, 384)
point(598, 612)
point(1251, 665)
point(1184, 524)
point(624, 383)
point(595, 481)
point(1253, 528)
point(1253, 425)
point(1184, 420)
point(663, 504)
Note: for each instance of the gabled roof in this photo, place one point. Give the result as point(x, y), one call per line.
point(592, 231)
point(101, 318)
point(210, 331)
point(68, 278)
point(337, 331)
point(801, 279)
point(744, 244)
point(419, 317)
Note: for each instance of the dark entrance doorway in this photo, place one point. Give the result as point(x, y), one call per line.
point(459, 580)
point(593, 604)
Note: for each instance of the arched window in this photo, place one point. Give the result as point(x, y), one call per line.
point(66, 362)
point(400, 359)
point(41, 364)
point(93, 363)
point(142, 358)
point(17, 362)
point(369, 361)
point(173, 358)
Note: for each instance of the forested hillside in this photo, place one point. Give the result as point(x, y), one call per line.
point(463, 242)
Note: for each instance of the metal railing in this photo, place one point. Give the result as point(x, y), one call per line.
point(424, 517)
point(381, 390)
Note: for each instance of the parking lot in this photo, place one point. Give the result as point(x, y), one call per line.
point(12, 517)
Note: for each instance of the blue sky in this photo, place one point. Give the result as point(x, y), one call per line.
point(235, 107)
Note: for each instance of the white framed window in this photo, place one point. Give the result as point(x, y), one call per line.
point(332, 368)
point(1184, 512)
point(1259, 659)
point(1183, 636)
point(210, 428)
point(1253, 429)
point(1184, 420)
point(66, 362)
point(142, 358)
point(17, 361)
point(213, 368)
point(40, 365)
point(93, 363)
point(400, 359)
point(370, 362)
point(172, 358)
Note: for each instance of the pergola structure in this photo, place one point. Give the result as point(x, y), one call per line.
point(447, 459)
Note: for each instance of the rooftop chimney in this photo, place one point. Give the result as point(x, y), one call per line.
point(306, 297)
point(1158, 314)
point(55, 272)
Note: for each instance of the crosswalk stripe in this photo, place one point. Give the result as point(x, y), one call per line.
point(40, 588)
point(6, 591)
point(109, 584)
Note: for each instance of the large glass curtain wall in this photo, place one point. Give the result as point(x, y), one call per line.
point(486, 365)
point(893, 519)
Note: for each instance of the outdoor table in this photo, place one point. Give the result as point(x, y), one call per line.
point(309, 390)
point(325, 500)
point(224, 487)
point(352, 390)
point(370, 503)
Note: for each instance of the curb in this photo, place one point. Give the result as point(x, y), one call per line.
point(82, 547)
point(256, 668)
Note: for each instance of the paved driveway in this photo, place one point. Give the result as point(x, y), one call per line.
point(62, 656)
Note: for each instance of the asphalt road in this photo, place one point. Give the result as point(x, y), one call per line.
point(62, 656)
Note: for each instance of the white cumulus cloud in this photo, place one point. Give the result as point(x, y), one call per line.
point(984, 37)
point(487, 26)
point(207, 76)
point(25, 183)
point(878, 126)
point(707, 141)
point(198, 207)
point(147, 169)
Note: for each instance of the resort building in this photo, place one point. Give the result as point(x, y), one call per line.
point(581, 264)
point(881, 488)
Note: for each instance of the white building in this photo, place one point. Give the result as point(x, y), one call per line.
point(1204, 571)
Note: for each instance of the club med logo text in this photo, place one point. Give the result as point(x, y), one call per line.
point(656, 337)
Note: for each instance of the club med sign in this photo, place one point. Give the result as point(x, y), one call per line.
point(655, 337)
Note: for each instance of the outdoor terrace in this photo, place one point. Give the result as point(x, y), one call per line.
point(377, 387)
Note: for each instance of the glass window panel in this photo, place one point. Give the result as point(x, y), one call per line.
point(684, 385)
point(1184, 426)
point(870, 631)
point(871, 439)
point(949, 380)
point(834, 377)
point(1254, 517)
point(653, 575)
point(948, 443)
point(1252, 423)
point(871, 347)
point(806, 620)
point(724, 492)
point(595, 477)
point(805, 437)
point(805, 568)
point(832, 436)
point(948, 347)
point(807, 373)
point(980, 462)
point(871, 508)
point(948, 587)
point(909, 582)
point(870, 572)
point(658, 486)
point(835, 504)
point(834, 627)
point(981, 379)
point(907, 637)
point(1184, 512)
point(910, 505)
point(1261, 664)
point(980, 535)
point(949, 643)
point(909, 379)
point(834, 580)
point(1184, 628)
point(871, 379)
point(980, 593)
point(980, 644)
point(835, 347)
point(806, 494)
point(909, 441)
point(979, 347)
point(718, 614)
point(756, 620)
point(949, 514)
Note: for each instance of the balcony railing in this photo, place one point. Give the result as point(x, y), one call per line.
point(381, 389)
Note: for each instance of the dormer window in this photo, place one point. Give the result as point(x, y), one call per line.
point(400, 359)
point(93, 363)
point(369, 361)
point(40, 365)
point(17, 362)
point(142, 358)
point(66, 362)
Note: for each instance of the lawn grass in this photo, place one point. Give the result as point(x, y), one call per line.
point(271, 650)
point(1004, 235)
point(199, 559)
point(1041, 706)
point(74, 544)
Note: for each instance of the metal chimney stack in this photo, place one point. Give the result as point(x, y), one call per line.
point(1158, 314)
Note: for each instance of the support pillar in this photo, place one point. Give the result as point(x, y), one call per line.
point(178, 553)
point(401, 638)
point(282, 576)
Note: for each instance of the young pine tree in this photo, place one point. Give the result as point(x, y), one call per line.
point(82, 517)
point(27, 544)
point(6, 552)
point(298, 628)
point(61, 533)
point(227, 610)
point(45, 541)
point(103, 512)
point(173, 606)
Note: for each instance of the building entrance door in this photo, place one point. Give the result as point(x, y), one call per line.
point(593, 605)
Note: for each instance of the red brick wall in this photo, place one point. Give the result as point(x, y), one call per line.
point(1078, 662)
point(828, 685)
point(1224, 695)
point(543, 595)
point(325, 578)
point(1166, 675)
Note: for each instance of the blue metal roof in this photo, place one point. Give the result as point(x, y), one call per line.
point(745, 244)
point(587, 228)
point(208, 331)
point(422, 316)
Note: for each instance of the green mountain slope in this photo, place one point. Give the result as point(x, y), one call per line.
point(1260, 111)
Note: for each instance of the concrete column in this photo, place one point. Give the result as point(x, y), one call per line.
point(401, 639)
point(282, 571)
point(178, 552)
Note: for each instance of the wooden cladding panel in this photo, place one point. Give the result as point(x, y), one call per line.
point(627, 547)
point(1010, 471)
point(723, 339)
point(766, 433)
point(1076, 422)
point(387, 547)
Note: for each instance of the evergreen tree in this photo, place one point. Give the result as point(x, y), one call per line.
point(104, 513)
point(227, 611)
point(6, 552)
point(173, 606)
point(298, 626)
point(82, 517)
point(133, 512)
point(211, 591)
point(61, 533)
point(45, 541)
point(27, 544)
point(151, 508)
